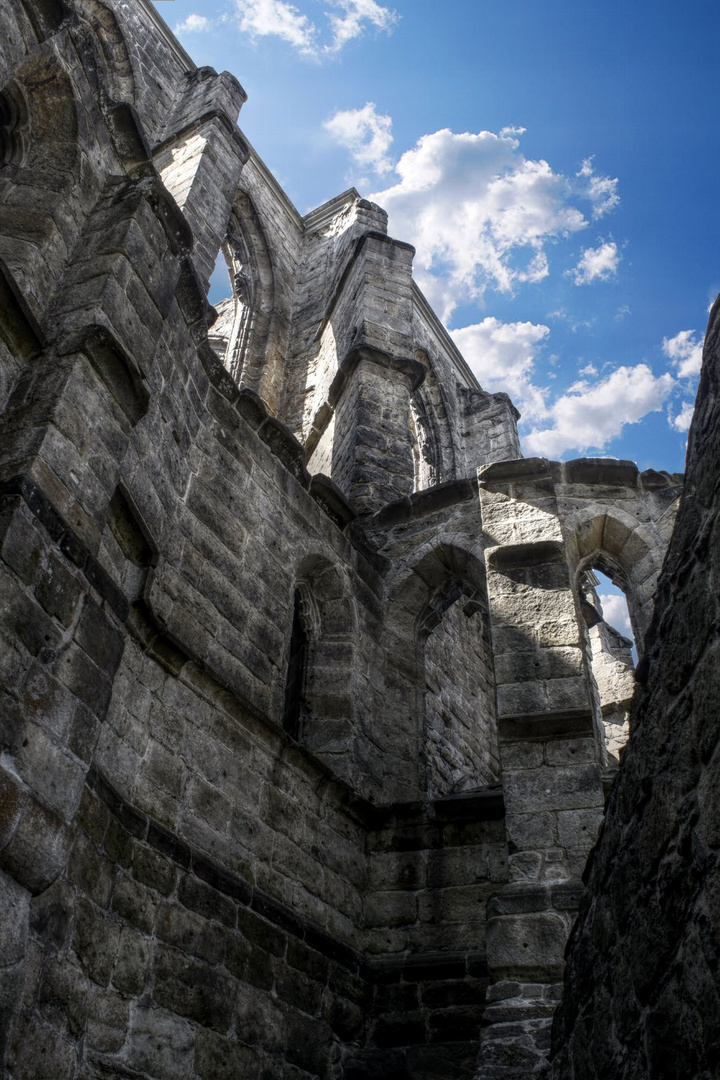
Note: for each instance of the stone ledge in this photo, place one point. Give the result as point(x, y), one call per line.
point(331, 500)
point(601, 471)
point(517, 469)
point(420, 504)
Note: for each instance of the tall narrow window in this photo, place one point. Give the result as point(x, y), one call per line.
point(612, 655)
point(230, 333)
point(295, 704)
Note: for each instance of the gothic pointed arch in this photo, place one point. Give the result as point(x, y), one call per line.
point(40, 209)
point(240, 336)
point(115, 69)
point(319, 698)
point(433, 454)
point(440, 675)
point(627, 550)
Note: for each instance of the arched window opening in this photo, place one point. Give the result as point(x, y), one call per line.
point(425, 470)
point(234, 302)
point(461, 746)
point(611, 654)
point(297, 671)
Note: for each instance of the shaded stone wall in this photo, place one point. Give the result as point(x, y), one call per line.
point(640, 997)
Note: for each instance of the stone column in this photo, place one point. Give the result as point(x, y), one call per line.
point(374, 459)
point(550, 757)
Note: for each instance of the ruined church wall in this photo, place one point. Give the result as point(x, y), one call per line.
point(640, 994)
point(189, 888)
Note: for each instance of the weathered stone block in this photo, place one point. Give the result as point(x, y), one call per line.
point(193, 989)
point(529, 947)
point(160, 1044)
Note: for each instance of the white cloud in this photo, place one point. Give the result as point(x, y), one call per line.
point(596, 264)
point(682, 421)
point(193, 24)
point(263, 18)
point(685, 351)
point(366, 133)
point(600, 190)
point(615, 612)
point(278, 18)
point(478, 212)
point(622, 313)
point(502, 356)
point(589, 416)
point(589, 369)
point(357, 13)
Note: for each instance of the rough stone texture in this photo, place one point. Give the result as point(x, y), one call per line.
point(641, 990)
point(459, 702)
point(302, 754)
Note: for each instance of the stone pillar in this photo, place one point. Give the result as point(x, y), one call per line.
point(550, 757)
point(201, 158)
point(373, 459)
point(362, 437)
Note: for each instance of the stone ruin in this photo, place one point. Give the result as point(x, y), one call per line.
point(309, 712)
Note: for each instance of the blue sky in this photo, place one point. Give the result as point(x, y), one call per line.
point(555, 165)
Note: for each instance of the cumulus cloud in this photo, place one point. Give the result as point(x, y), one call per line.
point(193, 24)
point(265, 18)
point(682, 421)
point(356, 14)
point(587, 416)
point(502, 357)
point(685, 351)
point(366, 133)
point(615, 612)
point(278, 18)
point(596, 264)
point(479, 213)
point(602, 191)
